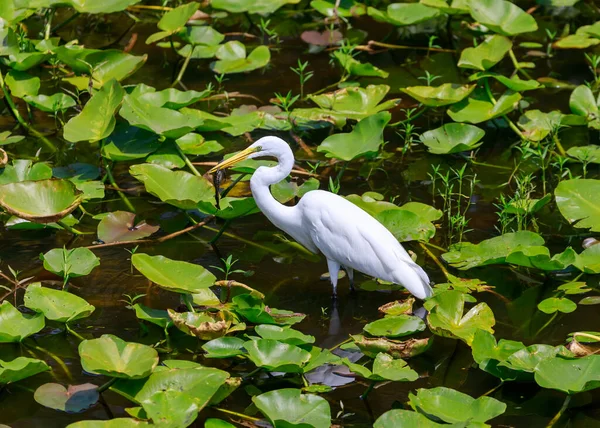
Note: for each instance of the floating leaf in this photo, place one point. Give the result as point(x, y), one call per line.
point(173, 275)
point(569, 375)
point(129, 143)
point(478, 108)
point(173, 98)
point(171, 408)
point(159, 317)
point(224, 347)
point(283, 334)
point(389, 368)
point(455, 407)
point(502, 16)
point(202, 325)
point(96, 121)
point(585, 154)
point(43, 201)
point(365, 139)
point(485, 55)
point(556, 304)
point(347, 8)
point(289, 407)
point(578, 202)
point(395, 326)
point(402, 14)
point(437, 96)
point(232, 58)
point(70, 263)
point(75, 399)
point(172, 21)
point(16, 326)
point(405, 419)
point(447, 317)
point(112, 356)
point(177, 188)
point(537, 125)
point(262, 7)
point(357, 68)
point(514, 83)
point(396, 348)
point(56, 305)
point(119, 226)
point(276, 356)
point(453, 138)
point(20, 368)
point(22, 84)
point(51, 104)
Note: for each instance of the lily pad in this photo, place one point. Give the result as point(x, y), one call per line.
point(16, 326)
point(406, 419)
point(537, 125)
point(478, 108)
point(112, 356)
point(402, 14)
point(455, 407)
point(276, 356)
point(585, 154)
point(173, 98)
point(96, 121)
point(578, 202)
point(171, 408)
point(261, 7)
point(502, 16)
point(224, 347)
point(43, 201)
point(557, 304)
point(569, 375)
point(177, 188)
point(289, 407)
point(395, 326)
point(357, 68)
point(129, 143)
point(232, 58)
point(453, 138)
point(514, 83)
point(365, 139)
point(56, 305)
point(75, 399)
point(447, 317)
point(20, 368)
point(51, 104)
point(283, 334)
point(485, 55)
point(119, 226)
point(159, 317)
point(22, 84)
point(70, 263)
point(173, 275)
point(437, 96)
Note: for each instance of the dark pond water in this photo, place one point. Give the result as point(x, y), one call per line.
point(291, 281)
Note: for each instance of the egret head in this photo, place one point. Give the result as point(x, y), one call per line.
point(265, 146)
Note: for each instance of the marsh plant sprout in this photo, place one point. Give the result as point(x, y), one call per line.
point(593, 61)
point(429, 78)
point(227, 268)
point(286, 101)
point(303, 74)
point(130, 300)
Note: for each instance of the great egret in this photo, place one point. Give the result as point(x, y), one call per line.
point(325, 222)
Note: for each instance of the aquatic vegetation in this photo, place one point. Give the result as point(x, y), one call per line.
point(138, 289)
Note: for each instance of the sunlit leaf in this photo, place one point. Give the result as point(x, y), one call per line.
point(20, 368)
point(502, 16)
point(453, 138)
point(578, 202)
point(119, 226)
point(75, 399)
point(485, 55)
point(70, 263)
point(16, 326)
point(56, 305)
point(289, 407)
point(437, 96)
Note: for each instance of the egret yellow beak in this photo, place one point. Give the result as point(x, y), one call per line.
point(238, 157)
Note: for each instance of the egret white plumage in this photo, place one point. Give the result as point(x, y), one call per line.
point(325, 222)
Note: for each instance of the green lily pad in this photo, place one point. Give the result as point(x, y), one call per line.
point(389, 368)
point(365, 139)
point(56, 305)
point(51, 104)
point(22, 84)
point(6, 138)
point(261, 7)
point(112, 356)
point(232, 58)
point(395, 326)
point(402, 14)
point(576, 41)
point(585, 154)
point(537, 125)
point(478, 108)
point(569, 375)
point(276, 356)
point(159, 317)
point(283, 334)
point(96, 121)
point(129, 143)
point(70, 263)
point(43, 201)
point(502, 16)
point(138, 111)
point(112, 423)
point(489, 354)
point(577, 201)
point(25, 170)
point(171, 408)
point(75, 399)
point(447, 317)
point(437, 96)
point(453, 138)
point(173, 98)
point(173, 275)
point(583, 103)
point(16, 326)
point(514, 83)
point(24, 61)
point(289, 407)
point(453, 406)
point(172, 21)
point(405, 419)
point(357, 68)
point(178, 188)
point(345, 8)
point(20, 368)
point(119, 226)
point(556, 304)
point(526, 360)
point(224, 347)
point(485, 55)
point(202, 325)
point(195, 144)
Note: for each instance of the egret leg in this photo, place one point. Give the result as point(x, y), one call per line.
point(350, 273)
point(334, 268)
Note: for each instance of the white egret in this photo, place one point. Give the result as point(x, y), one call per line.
point(322, 221)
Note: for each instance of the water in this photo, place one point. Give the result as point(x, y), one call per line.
point(292, 282)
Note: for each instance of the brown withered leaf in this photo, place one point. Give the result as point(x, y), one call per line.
point(396, 348)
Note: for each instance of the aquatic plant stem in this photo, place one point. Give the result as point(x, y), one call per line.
point(554, 315)
point(368, 391)
point(70, 229)
point(513, 58)
point(239, 415)
point(488, 91)
point(65, 22)
point(15, 111)
point(187, 161)
point(74, 333)
point(561, 412)
point(436, 260)
point(106, 385)
point(370, 43)
point(183, 68)
point(112, 181)
point(56, 358)
point(558, 145)
point(334, 347)
point(411, 118)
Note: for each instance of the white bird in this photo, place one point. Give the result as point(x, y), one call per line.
point(322, 221)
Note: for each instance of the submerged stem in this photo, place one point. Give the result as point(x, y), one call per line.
point(562, 410)
point(436, 260)
point(183, 68)
point(122, 195)
point(239, 415)
point(56, 358)
point(409, 119)
point(547, 324)
point(187, 161)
